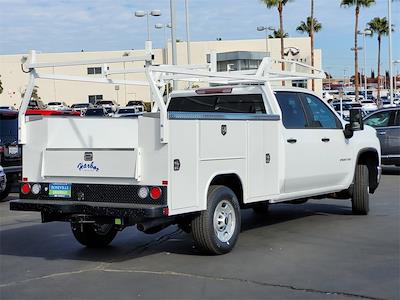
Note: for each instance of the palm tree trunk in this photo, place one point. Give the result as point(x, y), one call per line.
point(312, 42)
point(356, 54)
point(379, 70)
point(280, 10)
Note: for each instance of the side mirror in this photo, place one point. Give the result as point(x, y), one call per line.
point(356, 123)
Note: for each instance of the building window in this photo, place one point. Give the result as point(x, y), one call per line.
point(299, 83)
point(94, 70)
point(94, 98)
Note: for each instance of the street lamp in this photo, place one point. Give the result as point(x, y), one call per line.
point(265, 28)
point(147, 14)
point(364, 33)
point(164, 26)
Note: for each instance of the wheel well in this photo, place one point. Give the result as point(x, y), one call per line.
point(370, 158)
point(231, 181)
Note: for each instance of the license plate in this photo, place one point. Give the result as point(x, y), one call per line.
point(60, 190)
point(12, 150)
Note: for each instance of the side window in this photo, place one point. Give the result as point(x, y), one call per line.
point(293, 114)
point(321, 116)
point(380, 119)
point(397, 122)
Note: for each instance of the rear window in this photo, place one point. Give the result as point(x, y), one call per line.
point(95, 112)
point(131, 103)
point(54, 103)
point(8, 126)
point(105, 102)
point(252, 103)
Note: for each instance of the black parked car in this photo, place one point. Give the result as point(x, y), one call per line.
point(387, 124)
point(96, 112)
point(10, 151)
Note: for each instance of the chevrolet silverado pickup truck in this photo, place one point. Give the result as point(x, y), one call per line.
point(197, 159)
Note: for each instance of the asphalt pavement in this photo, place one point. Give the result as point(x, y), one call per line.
point(317, 250)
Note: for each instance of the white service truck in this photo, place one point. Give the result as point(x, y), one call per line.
point(197, 159)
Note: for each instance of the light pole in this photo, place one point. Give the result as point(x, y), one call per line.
point(164, 26)
point(189, 59)
point(356, 80)
point(390, 50)
point(265, 28)
point(147, 14)
point(364, 33)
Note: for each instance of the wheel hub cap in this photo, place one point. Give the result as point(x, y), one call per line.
point(224, 221)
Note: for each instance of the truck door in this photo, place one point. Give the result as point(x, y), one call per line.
point(330, 144)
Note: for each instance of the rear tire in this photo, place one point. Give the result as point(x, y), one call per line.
point(94, 235)
point(4, 194)
point(216, 230)
point(360, 198)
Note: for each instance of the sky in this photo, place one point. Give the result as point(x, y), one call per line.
point(95, 25)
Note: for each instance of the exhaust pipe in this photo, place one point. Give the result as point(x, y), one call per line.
point(155, 225)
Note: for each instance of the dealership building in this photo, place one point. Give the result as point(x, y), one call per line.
point(230, 55)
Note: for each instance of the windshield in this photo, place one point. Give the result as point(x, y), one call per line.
point(8, 128)
point(130, 103)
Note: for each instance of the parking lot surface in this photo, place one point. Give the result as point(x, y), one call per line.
point(317, 250)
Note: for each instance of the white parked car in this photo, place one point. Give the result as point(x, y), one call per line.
point(369, 105)
point(82, 107)
point(128, 111)
point(139, 105)
point(110, 105)
point(57, 106)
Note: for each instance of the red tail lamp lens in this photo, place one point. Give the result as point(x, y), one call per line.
point(155, 193)
point(25, 188)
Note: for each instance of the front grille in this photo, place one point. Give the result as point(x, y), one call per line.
point(102, 193)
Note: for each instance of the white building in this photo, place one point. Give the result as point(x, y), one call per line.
point(231, 55)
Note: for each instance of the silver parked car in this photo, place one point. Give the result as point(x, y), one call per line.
point(387, 124)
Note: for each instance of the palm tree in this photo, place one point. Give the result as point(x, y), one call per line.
point(357, 4)
point(310, 26)
point(380, 27)
point(279, 4)
point(277, 34)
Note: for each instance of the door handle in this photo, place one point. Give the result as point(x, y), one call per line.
point(381, 132)
point(325, 140)
point(291, 141)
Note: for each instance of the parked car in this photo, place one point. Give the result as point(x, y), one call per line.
point(369, 105)
point(346, 106)
point(129, 111)
point(36, 104)
point(96, 112)
point(139, 105)
point(57, 106)
point(110, 105)
point(81, 107)
point(3, 184)
point(8, 107)
point(387, 124)
point(10, 151)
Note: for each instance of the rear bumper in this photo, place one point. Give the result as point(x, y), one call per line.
point(104, 209)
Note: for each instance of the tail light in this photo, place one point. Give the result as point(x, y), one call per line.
point(25, 188)
point(155, 193)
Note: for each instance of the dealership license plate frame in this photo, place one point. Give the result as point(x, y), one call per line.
point(60, 190)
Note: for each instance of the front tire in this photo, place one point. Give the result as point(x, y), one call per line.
point(216, 230)
point(94, 235)
point(360, 197)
